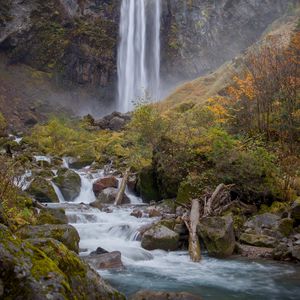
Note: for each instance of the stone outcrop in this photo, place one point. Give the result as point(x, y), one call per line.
point(160, 237)
point(108, 196)
point(46, 269)
point(110, 260)
point(69, 183)
point(42, 190)
point(103, 183)
point(66, 234)
point(218, 235)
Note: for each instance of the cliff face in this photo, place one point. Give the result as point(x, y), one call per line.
point(199, 35)
point(75, 38)
point(75, 41)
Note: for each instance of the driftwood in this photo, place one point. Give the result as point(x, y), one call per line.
point(121, 192)
point(219, 198)
point(194, 244)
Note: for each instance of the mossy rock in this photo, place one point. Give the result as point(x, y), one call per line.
point(43, 191)
point(69, 183)
point(160, 237)
point(84, 282)
point(276, 208)
point(285, 226)
point(66, 234)
point(218, 235)
point(27, 273)
point(51, 216)
point(147, 186)
point(169, 223)
point(295, 210)
point(258, 240)
point(47, 269)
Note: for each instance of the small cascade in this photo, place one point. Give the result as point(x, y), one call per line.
point(139, 52)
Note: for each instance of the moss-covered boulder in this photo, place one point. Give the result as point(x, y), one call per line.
point(43, 191)
point(218, 235)
point(51, 216)
point(147, 186)
point(27, 273)
point(259, 240)
point(295, 210)
point(285, 226)
point(69, 183)
point(84, 282)
point(66, 234)
point(160, 237)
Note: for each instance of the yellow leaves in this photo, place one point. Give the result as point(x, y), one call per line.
point(219, 107)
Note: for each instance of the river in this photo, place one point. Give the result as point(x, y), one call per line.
point(212, 278)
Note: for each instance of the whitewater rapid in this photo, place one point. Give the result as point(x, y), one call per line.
point(117, 230)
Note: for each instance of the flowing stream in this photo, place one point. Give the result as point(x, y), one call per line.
point(139, 52)
point(159, 270)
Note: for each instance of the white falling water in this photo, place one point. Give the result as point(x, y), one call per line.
point(139, 52)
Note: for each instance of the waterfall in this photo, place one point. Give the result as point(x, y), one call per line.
point(139, 52)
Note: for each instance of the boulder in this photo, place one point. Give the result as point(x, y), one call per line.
point(84, 282)
point(285, 226)
point(218, 235)
point(69, 183)
point(43, 191)
point(147, 185)
point(150, 295)
point(160, 237)
point(296, 252)
point(259, 240)
point(103, 183)
point(295, 210)
point(153, 212)
point(108, 196)
point(97, 204)
point(66, 234)
point(98, 251)
point(282, 251)
point(253, 252)
point(260, 222)
point(27, 272)
point(111, 260)
point(52, 216)
point(137, 213)
point(132, 182)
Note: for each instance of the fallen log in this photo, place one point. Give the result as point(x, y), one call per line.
point(121, 192)
point(194, 245)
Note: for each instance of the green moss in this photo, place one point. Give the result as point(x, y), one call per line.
point(275, 208)
point(43, 191)
point(285, 226)
point(147, 185)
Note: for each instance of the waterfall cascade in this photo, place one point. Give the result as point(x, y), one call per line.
point(139, 52)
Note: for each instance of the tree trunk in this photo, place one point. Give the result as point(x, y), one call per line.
point(121, 192)
point(194, 245)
